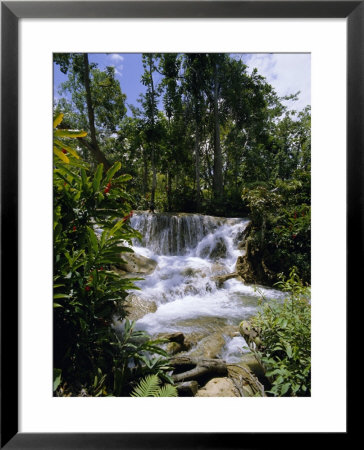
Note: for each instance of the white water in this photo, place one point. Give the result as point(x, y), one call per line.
point(190, 249)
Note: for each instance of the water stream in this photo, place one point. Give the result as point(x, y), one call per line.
point(190, 250)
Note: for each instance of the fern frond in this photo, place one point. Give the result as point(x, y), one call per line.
point(168, 390)
point(147, 387)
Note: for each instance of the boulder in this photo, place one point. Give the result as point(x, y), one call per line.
point(135, 263)
point(172, 337)
point(219, 250)
point(209, 347)
point(219, 387)
point(173, 348)
point(138, 307)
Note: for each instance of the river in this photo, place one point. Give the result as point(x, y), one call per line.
point(190, 250)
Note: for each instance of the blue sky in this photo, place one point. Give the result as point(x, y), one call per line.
point(288, 73)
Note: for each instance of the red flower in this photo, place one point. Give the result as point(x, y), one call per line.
point(107, 189)
point(101, 268)
point(64, 151)
point(295, 215)
point(74, 228)
point(87, 288)
point(294, 236)
point(128, 216)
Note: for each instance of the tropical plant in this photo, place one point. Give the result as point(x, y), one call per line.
point(285, 339)
point(92, 234)
point(150, 387)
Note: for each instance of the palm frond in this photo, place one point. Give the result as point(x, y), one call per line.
point(150, 387)
point(168, 390)
point(147, 387)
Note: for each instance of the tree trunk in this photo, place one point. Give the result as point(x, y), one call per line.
point(145, 172)
point(217, 177)
point(203, 368)
point(197, 164)
point(154, 172)
point(94, 147)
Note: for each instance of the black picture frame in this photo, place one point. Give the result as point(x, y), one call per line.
point(11, 12)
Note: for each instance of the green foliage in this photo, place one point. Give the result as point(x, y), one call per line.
point(281, 224)
point(285, 333)
point(91, 234)
point(150, 387)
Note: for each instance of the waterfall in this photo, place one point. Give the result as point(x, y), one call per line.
point(190, 250)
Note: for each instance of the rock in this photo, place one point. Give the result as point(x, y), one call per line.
point(137, 264)
point(210, 346)
point(219, 387)
point(172, 337)
point(220, 279)
point(250, 334)
point(245, 381)
point(193, 339)
point(138, 307)
point(173, 348)
point(187, 388)
point(219, 251)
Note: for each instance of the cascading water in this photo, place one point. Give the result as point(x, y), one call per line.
point(190, 250)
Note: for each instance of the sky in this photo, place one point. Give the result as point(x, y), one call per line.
point(288, 73)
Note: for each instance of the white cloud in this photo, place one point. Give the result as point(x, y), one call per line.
point(117, 60)
point(288, 73)
point(116, 57)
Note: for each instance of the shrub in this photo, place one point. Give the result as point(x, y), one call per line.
point(285, 333)
point(91, 234)
point(281, 225)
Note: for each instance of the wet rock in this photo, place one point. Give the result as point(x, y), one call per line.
point(193, 339)
point(219, 387)
point(137, 264)
point(220, 279)
point(172, 337)
point(219, 250)
point(138, 307)
point(173, 348)
point(210, 346)
point(230, 330)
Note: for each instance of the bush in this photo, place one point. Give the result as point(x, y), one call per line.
point(281, 226)
point(285, 333)
point(91, 234)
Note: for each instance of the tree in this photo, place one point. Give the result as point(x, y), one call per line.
point(150, 109)
point(97, 97)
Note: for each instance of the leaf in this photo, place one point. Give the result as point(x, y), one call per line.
point(168, 390)
point(62, 145)
point(147, 387)
point(97, 177)
point(58, 120)
point(289, 350)
point(93, 239)
point(285, 388)
point(57, 305)
point(69, 133)
point(111, 172)
point(61, 155)
point(57, 373)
